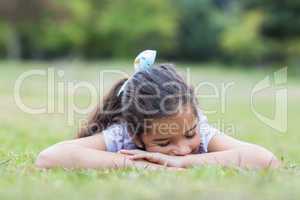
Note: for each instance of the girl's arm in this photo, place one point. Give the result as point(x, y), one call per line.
point(223, 151)
point(227, 151)
point(88, 152)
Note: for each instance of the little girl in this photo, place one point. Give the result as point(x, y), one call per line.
point(152, 120)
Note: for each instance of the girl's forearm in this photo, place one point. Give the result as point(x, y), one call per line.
point(253, 157)
point(73, 157)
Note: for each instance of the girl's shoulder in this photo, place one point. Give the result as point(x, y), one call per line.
point(202, 117)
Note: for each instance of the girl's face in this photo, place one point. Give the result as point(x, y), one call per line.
point(175, 135)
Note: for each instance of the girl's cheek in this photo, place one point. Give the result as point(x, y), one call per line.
point(197, 140)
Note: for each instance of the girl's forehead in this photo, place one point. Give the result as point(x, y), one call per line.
point(173, 125)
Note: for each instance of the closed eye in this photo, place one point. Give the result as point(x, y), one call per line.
point(191, 135)
point(163, 144)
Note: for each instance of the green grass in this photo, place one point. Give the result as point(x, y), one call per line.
point(23, 135)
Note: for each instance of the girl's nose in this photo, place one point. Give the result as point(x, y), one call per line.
point(182, 150)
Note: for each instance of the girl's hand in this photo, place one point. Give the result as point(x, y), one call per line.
point(142, 164)
point(158, 158)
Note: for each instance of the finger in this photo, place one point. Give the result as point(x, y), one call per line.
point(175, 169)
point(138, 157)
point(131, 152)
point(149, 157)
point(125, 152)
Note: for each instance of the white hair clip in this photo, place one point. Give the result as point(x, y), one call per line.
point(142, 62)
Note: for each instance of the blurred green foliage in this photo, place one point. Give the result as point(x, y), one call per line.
point(200, 27)
point(241, 39)
point(128, 25)
point(252, 32)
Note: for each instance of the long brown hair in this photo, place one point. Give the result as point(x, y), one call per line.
point(142, 100)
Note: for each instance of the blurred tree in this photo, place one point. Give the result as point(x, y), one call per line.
point(96, 44)
point(199, 29)
point(63, 36)
point(280, 26)
point(133, 25)
point(16, 14)
point(202, 30)
point(241, 39)
point(281, 17)
point(4, 31)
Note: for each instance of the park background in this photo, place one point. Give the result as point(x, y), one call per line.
point(219, 41)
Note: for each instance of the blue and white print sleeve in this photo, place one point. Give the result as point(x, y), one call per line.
point(116, 137)
point(207, 131)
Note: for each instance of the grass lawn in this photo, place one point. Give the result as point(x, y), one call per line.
point(23, 135)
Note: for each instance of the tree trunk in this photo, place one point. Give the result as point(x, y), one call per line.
point(13, 43)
